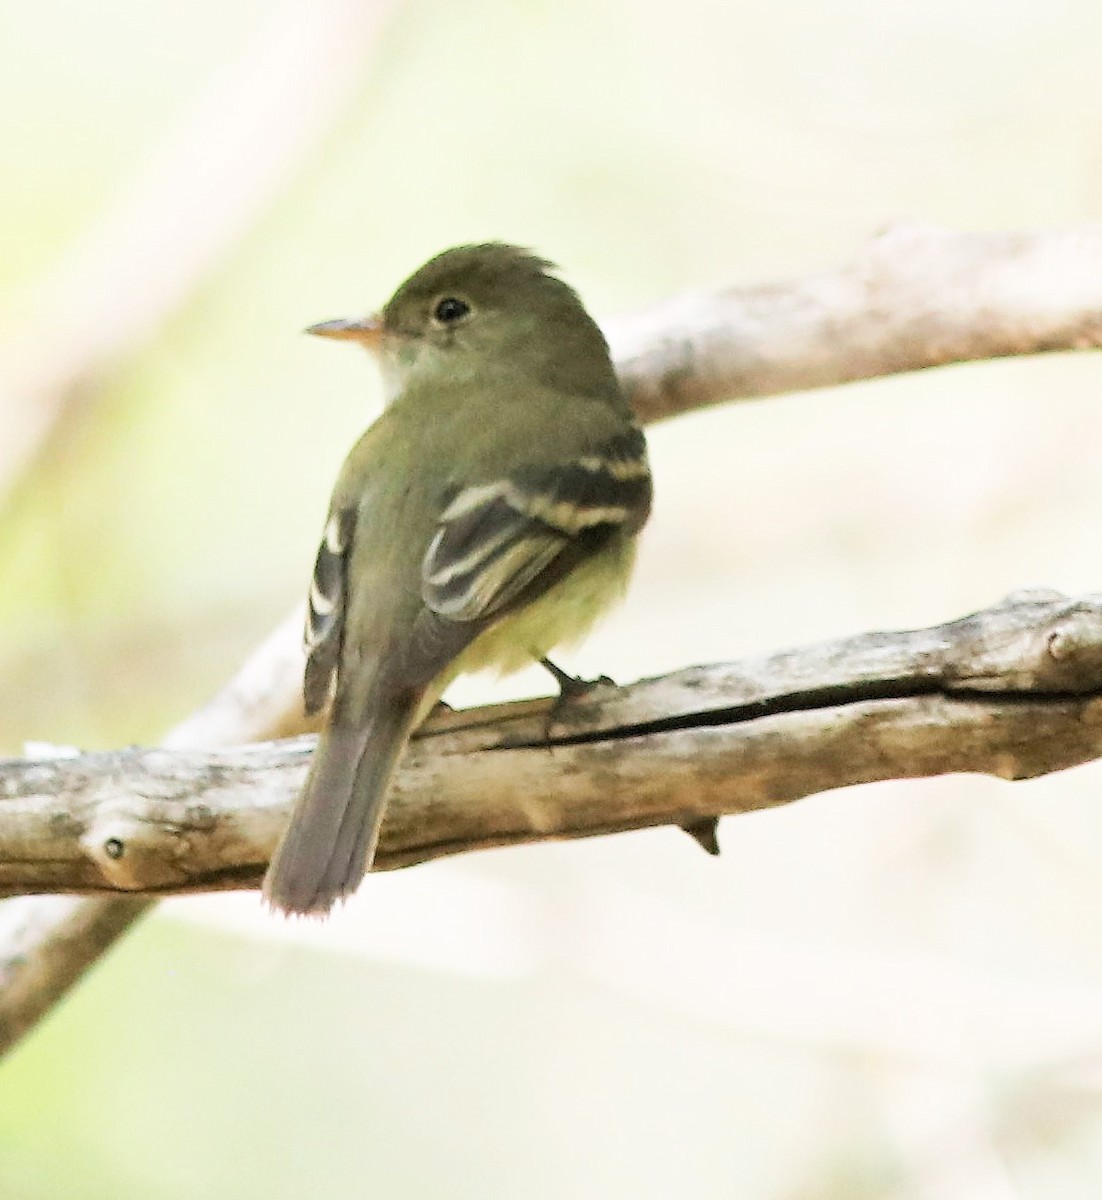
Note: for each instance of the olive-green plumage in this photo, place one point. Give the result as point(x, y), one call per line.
point(487, 516)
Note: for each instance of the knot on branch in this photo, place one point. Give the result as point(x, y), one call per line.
point(1075, 646)
point(1038, 641)
point(128, 852)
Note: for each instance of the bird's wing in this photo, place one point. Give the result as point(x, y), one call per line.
point(504, 542)
point(326, 609)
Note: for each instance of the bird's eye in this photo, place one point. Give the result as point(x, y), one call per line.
point(450, 310)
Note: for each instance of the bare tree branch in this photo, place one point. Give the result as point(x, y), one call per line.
point(1014, 691)
point(46, 945)
point(263, 700)
point(916, 297)
point(48, 942)
point(200, 191)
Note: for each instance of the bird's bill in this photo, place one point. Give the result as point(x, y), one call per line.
point(368, 330)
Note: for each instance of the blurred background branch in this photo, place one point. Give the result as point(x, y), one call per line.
point(175, 222)
point(916, 297)
point(46, 945)
point(48, 942)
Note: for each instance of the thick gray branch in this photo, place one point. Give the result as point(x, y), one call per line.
point(1015, 691)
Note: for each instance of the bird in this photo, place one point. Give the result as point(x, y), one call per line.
point(490, 514)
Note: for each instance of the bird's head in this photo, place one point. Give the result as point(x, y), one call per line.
point(472, 309)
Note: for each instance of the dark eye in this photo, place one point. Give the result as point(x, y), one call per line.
point(450, 309)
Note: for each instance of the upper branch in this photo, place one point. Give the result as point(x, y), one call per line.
point(915, 297)
point(1014, 691)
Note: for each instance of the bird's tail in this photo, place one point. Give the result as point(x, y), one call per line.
point(330, 841)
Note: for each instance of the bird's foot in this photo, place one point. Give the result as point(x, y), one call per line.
point(571, 687)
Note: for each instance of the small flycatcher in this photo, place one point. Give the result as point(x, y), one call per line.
point(487, 516)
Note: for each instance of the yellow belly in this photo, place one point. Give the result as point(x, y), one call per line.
point(561, 616)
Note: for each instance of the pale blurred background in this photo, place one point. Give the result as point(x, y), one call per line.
point(888, 993)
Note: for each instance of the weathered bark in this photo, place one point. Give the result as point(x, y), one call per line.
point(1014, 691)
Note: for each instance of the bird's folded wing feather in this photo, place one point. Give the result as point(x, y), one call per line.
point(326, 608)
point(497, 542)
